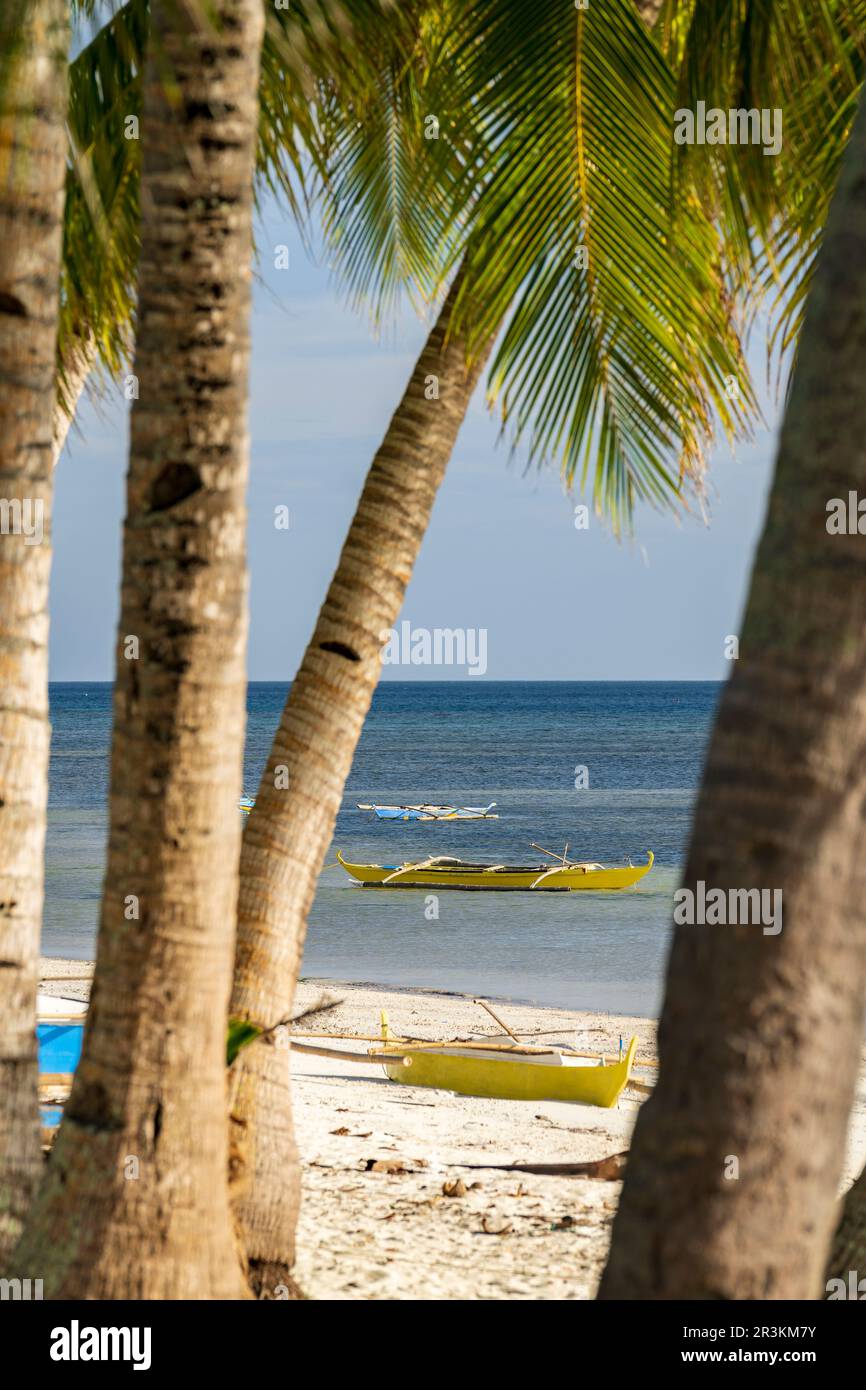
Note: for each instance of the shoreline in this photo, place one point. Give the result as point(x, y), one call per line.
point(436, 1226)
point(440, 1013)
point(447, 1009)
point(327, 982)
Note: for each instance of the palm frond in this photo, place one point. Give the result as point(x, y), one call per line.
point(310, 50)
point(620, 346)
point(392, 156)
point(101, 223)
point(806, 62)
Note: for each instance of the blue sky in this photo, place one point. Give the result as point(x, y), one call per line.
point(502, 552)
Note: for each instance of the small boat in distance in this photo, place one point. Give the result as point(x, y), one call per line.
point(246, 804)
point(427, 812)
point(440, 871)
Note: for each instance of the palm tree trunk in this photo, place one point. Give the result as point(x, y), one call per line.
point(32, 182)
point(848, 1248)
point(291, 824)
point(135, 1203)
point(731, 1187)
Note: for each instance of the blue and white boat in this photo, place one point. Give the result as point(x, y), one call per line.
point(59, 1035)
point(427, 812)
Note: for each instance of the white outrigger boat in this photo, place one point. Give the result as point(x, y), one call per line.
point(427, 812)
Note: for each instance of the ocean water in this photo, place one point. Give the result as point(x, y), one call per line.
point(516, 743)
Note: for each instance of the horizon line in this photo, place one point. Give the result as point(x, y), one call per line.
point(510, 680)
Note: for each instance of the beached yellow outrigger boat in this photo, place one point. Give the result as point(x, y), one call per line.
point(441, 872)
point(508, 1071)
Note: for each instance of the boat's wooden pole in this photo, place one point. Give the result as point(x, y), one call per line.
point(421, 1045)
point(497, 1019)
point(551, 854)
point(507, 1050)
point(395, 1038)
point(352, 1037)
point(340, 1055)
point(641, 1086)
point(415, 1044)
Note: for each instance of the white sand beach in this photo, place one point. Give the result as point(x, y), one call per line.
point(435, 1227)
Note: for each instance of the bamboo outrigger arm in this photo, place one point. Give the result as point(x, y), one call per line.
point(411, 869)
point(339, 1054)
point(430, 863)
point(557, 869)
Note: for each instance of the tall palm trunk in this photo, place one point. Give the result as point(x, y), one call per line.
point(135, 1204)
point(731, 1187)
point(301, 789)
point(32, 179)
point(848, 1248)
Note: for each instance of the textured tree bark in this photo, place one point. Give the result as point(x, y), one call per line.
point(135, 1203)
point(290, 827)
point(760, 1034)
point(32, 182)
point(848, 1247)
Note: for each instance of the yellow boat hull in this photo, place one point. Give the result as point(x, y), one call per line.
point(510, 1078)
point(541, 880)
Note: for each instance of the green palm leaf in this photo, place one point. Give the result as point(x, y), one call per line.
point(618, 368)
point(393, 156)
point(101, 224)
point(806, 61)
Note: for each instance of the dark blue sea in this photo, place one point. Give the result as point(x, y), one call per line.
point(516, 743)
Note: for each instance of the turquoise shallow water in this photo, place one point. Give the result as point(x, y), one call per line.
point(514, 743)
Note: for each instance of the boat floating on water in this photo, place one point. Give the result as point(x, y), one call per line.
point(246, 804)
point(426, 812)
point(440, 871)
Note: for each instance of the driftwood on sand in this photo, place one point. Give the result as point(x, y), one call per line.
point(608, 1169)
